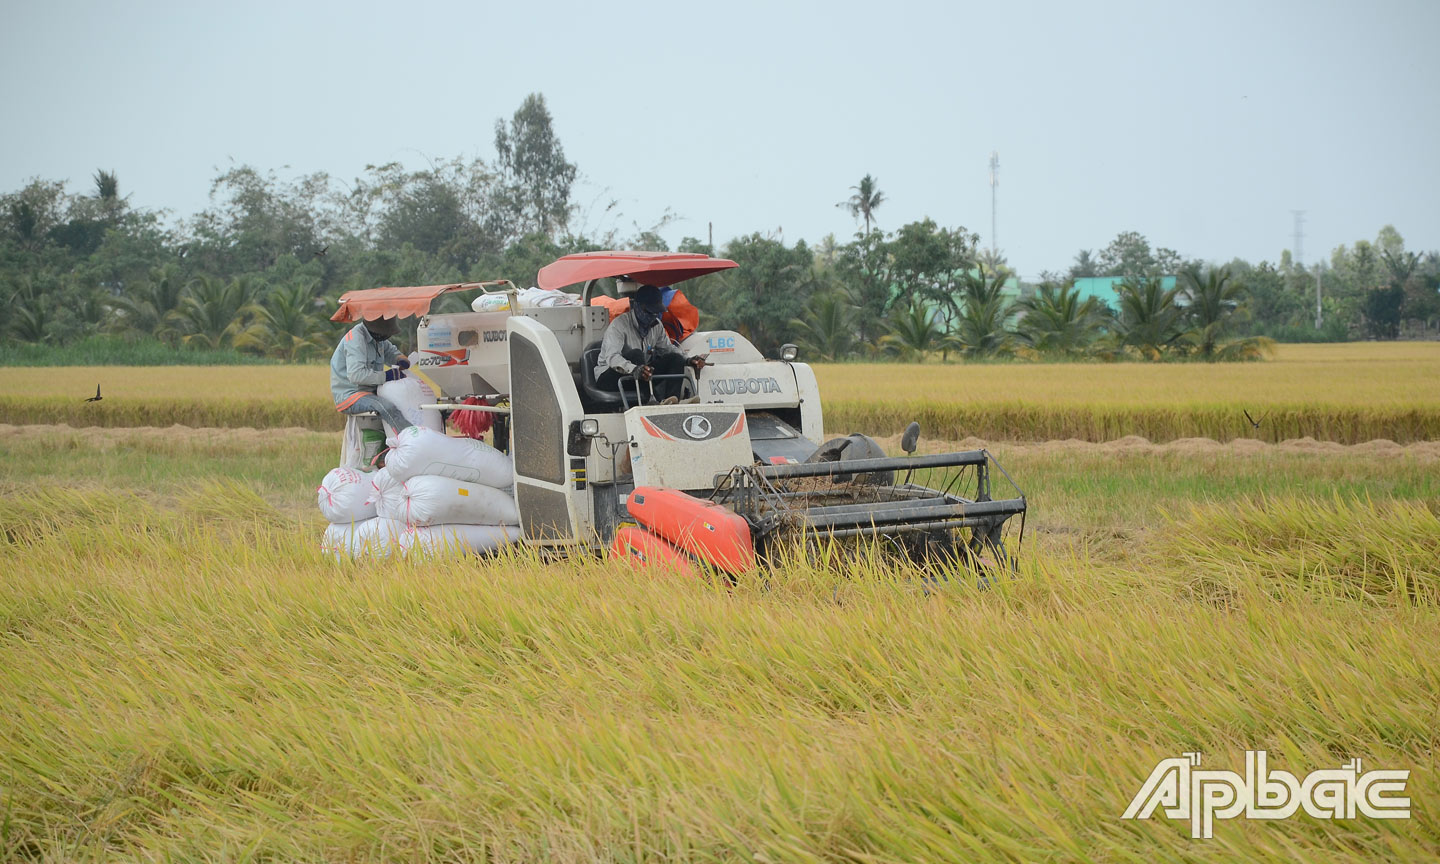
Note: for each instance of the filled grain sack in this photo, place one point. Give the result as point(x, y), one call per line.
point(408, 394)
point(434, 500)
point(419, 451)
point(381, 486)
point(372, 538)
point(434, 540)
point(344, 496)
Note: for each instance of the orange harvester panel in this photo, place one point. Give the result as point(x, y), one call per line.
point(639, 546)
point(704, 529)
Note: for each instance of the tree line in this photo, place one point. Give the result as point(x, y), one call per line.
point(260, 269)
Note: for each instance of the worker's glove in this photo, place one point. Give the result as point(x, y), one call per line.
point(402, 362)
point(393, 374)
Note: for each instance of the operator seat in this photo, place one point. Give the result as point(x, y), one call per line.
point(607, 399)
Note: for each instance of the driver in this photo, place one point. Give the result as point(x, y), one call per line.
point(635, 343)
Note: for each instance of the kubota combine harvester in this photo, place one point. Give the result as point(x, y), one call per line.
point(719, 480)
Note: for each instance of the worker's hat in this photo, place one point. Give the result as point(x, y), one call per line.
point(383, 326)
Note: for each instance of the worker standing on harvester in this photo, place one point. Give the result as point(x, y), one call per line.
point(357, 369)
point(636, 344)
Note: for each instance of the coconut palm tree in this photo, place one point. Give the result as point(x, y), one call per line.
point(915, 333)
point(1149, 317)
point(142, 309)
point(1058, 321)
point(213, 314)
point(107, 186)
point(287, 325)
point(993, 263)
point(866, 200)
point(828, 328)
point(1213, 298)
point(982, 329)
point(29, 316)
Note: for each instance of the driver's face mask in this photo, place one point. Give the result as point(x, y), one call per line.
point(646, 318)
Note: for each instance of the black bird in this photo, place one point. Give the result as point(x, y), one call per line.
point(97, 397)
point(321, 253)
point(1253, 421)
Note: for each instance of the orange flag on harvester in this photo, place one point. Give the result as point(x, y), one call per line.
point(680, 319)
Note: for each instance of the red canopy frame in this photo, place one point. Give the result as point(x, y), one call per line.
point(398, 302)
point(649, 268)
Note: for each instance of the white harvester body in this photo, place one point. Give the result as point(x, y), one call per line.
point(749, 435)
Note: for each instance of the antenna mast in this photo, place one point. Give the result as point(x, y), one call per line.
point(994, 182)
point(1298, 247)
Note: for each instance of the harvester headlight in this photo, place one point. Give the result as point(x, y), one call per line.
point(789, 352)
point(590, 428)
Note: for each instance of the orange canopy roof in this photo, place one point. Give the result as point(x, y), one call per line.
point(650, 268)
point(393, 302)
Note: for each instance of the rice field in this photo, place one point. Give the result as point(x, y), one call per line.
point(1348, 393)
point(184, 676)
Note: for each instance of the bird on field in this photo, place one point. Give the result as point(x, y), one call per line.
point(97, 397)
point(1253, 422)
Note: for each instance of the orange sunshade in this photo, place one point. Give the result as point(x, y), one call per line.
point(651, 268)
point(393, 302)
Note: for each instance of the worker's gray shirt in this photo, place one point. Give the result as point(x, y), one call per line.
point(624, 332)
point(358, 365)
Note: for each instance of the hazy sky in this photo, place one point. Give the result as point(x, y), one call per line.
point(1201, 124)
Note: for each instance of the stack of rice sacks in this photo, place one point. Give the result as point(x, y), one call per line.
point(435, 494)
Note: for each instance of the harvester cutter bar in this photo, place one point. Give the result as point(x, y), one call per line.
point(867, 466)
point(925, 510)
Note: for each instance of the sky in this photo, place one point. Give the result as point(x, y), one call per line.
point(1200, 124)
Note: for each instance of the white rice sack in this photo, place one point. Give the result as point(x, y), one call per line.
point(542, 298)
point(381, 486)
point(373, 538)
point(433, 540)
point(408, 394)
point(352, 446)
point(419, 451)
point(344, 496)
point(491, 303)
point(433, 500)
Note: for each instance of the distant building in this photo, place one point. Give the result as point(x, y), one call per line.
point(1102, 288)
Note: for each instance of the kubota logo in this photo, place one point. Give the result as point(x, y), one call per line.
point(741, 386)
point(697, 426)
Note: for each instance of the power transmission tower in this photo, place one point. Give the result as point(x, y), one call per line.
point(1298, 247)
point(994, 182)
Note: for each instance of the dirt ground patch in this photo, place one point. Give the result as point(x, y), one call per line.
point(111, 436)
point(1134, 445)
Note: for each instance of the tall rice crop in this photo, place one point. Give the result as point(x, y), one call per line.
point(198, 682)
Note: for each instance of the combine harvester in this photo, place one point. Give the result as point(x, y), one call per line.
point(716, 482)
